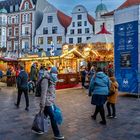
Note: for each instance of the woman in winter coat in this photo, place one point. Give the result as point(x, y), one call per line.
point(48, 96)
point(112, 99)
point(99, 88)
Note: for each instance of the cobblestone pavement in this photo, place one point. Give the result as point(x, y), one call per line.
point(15, 124)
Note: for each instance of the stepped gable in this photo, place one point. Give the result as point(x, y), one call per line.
point(64, 19)
point(90, 19)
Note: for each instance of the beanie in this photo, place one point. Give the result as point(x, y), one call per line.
point(53, 70)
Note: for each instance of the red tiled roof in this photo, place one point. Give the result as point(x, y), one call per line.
point(103, 30)
point(129, 3)
point(63, 19)
point(90, 19)
point(109, 13)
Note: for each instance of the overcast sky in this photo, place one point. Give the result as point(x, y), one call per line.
point(67, 5)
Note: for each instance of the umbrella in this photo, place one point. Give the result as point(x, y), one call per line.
point(103, 37)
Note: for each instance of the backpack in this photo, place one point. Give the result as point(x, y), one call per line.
point(38, 87)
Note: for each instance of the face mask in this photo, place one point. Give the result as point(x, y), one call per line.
point(54, 75)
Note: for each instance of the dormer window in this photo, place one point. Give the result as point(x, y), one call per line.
point(26, 6)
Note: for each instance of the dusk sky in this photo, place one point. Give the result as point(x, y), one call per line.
point(67, 5)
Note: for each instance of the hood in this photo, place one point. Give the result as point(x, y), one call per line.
point(101, 75)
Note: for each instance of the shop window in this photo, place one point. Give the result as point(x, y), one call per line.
point(79, 31)
point(73, 24)
point(54, 30)
point(79, 17)
point(50, 19)
point(72, 31)
point(79, 40)
point(59, 40)
point(49, 40)
point(71, 40)
point(45, 30)
point(40, 40)
point(79, 23)
point(86, 30)
point(85, 23)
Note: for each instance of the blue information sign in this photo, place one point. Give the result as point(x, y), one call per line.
point(126, 56)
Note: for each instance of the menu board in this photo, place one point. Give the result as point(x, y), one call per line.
point(126, 56)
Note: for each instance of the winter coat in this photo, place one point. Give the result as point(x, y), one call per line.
point(99, 84)
point(33, 74)
point(22, 80)
point(47, 91)
point(113, 98)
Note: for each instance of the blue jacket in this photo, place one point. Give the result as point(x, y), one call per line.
point(99, 84)
point(22, 80)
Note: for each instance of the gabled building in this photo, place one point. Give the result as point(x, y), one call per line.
point(52, 30)
point(81, 27)
point(3, 25)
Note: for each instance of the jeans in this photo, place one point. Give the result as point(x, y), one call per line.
point(113, 109)
point(102, 112)
point(48, 111)
point(20, 91)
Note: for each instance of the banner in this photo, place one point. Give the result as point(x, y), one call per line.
point(126, 56)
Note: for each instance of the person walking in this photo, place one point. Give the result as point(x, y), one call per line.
point(83, 76)
point(112, 99)
point(99, 88)
point(91, 72)
point(22, 85)
point(48, 99)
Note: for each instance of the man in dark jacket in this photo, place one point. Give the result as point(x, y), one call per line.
point(22, 85)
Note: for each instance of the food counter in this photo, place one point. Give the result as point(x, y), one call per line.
point(67, 80)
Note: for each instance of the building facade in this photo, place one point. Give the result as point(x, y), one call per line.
point(81, 27)
point(52, 31)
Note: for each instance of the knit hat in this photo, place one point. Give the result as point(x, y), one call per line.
point(54, 70)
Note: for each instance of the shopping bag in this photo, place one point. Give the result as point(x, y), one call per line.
point(40, 123)
point(57, 114)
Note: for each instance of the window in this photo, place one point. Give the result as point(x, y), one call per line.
point(16, 19)
point(24, 18)
point(28, 17)
point(0, 32)
point(72, 31)
point(0, 20)
point(50, 19)
point(26, 47)
point(16, 7)
point(54, 30)
point(79, 23)
point(26, 30)
point(9, 46)
point(88, 38)
point(70, 40)
point(85, 23)
point(4, 20)
point(26, 6)
point(79, 40)
point(59, 40)
point(9, 20)
point(16, 31)
point(79, 17)
point(49, 40)
point(73, 24)
point(10, 32)
point(40, 40)
point(11, 8)
point(86, 30)
point(16, 45)
point(45, 30)
point(79, 31)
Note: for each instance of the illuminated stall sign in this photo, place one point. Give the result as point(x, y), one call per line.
point(126, 56)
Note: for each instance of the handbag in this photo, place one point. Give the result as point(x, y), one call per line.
point(57, 114)
point(41, 122)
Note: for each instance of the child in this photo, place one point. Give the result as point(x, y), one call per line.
point(31, 86)
point(112, 99)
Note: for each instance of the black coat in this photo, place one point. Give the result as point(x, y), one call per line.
point(22, 80)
